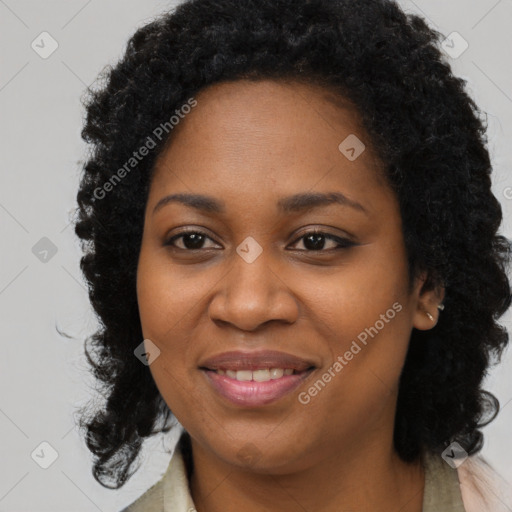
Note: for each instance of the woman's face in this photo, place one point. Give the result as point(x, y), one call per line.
point(252, 280)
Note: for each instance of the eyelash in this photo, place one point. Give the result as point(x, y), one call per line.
point(343, 243)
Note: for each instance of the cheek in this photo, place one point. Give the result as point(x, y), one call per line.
point(369, 293)
point(160, 313)
point(364, 316)
point(356, 392)
point(163, 315)
point(166, 298)
point(168, 307)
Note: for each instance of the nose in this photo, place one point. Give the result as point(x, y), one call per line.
point(253, 294)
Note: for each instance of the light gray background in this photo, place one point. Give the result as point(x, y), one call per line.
point(43, 376)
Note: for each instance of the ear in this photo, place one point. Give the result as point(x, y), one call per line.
point(427, 300)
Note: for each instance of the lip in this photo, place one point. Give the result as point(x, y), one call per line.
point(252, 393)
point(239, 360)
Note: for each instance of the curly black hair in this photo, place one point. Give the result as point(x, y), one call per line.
point(427, 131)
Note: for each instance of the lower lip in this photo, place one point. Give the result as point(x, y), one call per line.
point(251, 393)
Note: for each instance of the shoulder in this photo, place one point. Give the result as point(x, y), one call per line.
point(151, 501)
point(171, 492)
point(482, 488)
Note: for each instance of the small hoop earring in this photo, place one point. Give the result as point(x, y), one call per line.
point(430, 316)
point(440, 307)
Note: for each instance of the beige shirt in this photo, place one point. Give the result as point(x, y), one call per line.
point(442, 492)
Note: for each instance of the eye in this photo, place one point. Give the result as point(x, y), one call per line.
point(315, 241)
point(192, 240)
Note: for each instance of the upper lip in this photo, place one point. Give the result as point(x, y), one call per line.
point(238, 360)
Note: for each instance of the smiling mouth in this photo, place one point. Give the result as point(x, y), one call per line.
point(258, 375)
point(255, 388)
point(256, 378)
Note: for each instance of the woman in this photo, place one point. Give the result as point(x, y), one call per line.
point(291, 242)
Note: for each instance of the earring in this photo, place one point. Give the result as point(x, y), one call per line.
point(429, 315)
point(440, 307)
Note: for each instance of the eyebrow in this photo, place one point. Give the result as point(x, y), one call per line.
point(290, 204)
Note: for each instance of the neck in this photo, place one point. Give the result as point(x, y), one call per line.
point(370, 478)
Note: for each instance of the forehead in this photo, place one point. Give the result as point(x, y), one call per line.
point(270, 107)
point(267, 136)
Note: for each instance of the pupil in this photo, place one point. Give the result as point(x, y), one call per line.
point(197, 240)
point(318, 242)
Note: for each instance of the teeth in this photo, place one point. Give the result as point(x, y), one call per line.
point(244, 375)
point(262, 375)
point(276, 373)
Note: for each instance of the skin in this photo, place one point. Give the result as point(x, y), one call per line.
point(250, 144)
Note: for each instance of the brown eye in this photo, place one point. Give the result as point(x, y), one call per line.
point(192, 240)
point(316, 241)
